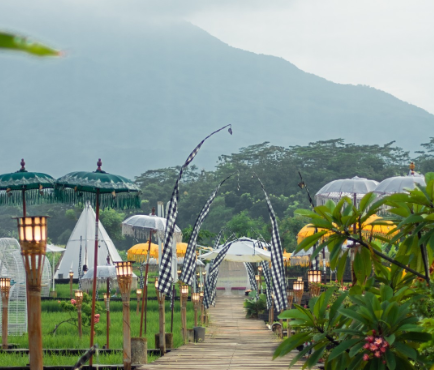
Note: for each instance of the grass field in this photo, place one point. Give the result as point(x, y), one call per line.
point(66, 336)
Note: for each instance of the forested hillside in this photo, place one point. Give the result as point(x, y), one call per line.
point(240, 204)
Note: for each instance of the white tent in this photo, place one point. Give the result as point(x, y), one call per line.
point(84, 235)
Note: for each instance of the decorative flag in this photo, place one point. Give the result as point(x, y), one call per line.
point(267, 277)
point(210, 288)
point(251, 274)
point(189, 266)
point(165, 276)
point(277, 269)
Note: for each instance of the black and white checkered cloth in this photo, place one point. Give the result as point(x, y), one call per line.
point(251, 274)
point(165, 271)
point(189, 266)
point(277, 268)
point(267, 277)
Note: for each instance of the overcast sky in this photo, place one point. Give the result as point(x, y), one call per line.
point(384, 44)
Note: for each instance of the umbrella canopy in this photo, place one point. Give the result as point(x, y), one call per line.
point(241, 250)
point(112, 191)
point(383, 230)
point(354, 188)
point(399, 184)
point(139, 252)
point(103, 190)
point(53, 249)
point(138, 226)
point(181, 249)
point(23, 187)
point(199, 263)
point(104, 273)
point(306, 231)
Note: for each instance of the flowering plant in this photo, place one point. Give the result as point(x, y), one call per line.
point(86, 309)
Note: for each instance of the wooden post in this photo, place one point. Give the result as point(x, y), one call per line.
point(161, 310)
point(127, 332)
point(108, 329)
point(80, 333)
point(5, 323)
point(195, 314)
point(35, 332)
point(184, 317)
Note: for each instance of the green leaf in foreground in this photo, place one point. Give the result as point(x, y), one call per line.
point(20, 43)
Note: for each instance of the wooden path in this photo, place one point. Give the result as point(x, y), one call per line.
point(232, 342)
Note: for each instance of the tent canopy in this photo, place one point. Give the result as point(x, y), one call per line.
point(84, 235)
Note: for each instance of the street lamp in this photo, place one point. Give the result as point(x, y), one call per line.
point(259, 274)
point(314, 279)
point(71, 277)
point(139, 297)
point(298, 288)
point(107, 308)
point(184, 296)
point(124, 273)
point(162, 319)
point(5, 286)
point(79, 301)
point(195, 297)
point(32, 233)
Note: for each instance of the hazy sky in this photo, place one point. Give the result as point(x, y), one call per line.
point(384, 44)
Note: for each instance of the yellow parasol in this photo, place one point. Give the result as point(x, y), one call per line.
point(181, 248)
point(139, 252)
point(373, 230)
point(306, 231)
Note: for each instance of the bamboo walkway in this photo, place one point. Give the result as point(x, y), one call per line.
point(232, 342)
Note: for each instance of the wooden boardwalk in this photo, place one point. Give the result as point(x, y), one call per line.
point(232, 342)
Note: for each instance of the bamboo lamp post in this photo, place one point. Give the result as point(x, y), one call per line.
point(201, 308)
point(139, 298)
point(71, 277)
point(32, 233)
point(107, 308)
point(195, 297)
point(124, 273)
point(162, 319)
point(314, 279)
point(79, 301)
point(257, 277)
point(298, 288)
point(290, 301)
point(259, 280)
point(184, 296)
point(5, 286)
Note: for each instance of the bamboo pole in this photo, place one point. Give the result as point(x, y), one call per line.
point(5, 323)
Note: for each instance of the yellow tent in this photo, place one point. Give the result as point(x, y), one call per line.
point(181, 248)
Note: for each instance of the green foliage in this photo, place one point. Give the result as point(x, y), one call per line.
point(254, 306)
point(375, 328)
point(204, 237)
point(19, 43)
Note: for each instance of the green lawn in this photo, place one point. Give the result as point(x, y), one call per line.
point(67, 334)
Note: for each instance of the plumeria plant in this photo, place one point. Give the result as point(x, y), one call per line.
point(382, 321)
point(86, 309)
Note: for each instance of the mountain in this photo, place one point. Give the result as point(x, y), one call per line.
point(143, 97)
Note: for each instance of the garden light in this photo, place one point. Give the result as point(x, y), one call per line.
point(32, 233)
point(79, 301)
point(5, 286)
point(124, 272)
point(107, 308)
point(195, 297)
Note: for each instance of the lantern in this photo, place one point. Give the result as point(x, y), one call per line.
point(314, 276)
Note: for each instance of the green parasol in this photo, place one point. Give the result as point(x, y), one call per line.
point(23, 187)
point(101, 189)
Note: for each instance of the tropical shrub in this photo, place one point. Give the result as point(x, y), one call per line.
point(255, 306)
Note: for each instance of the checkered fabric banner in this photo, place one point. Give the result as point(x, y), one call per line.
point(207, 289)
point(189, 266)
point(164, 276)
point(267, 277)
point(251, 274)
point(277, 269)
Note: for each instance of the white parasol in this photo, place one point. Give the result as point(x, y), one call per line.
point(242, 250)
point(399, 184)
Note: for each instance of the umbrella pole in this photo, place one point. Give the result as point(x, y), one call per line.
point(145, 289)
point(95, 264)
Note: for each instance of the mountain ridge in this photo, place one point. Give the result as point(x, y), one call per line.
point(142, 100)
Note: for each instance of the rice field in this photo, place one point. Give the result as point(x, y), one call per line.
point(66, 336)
